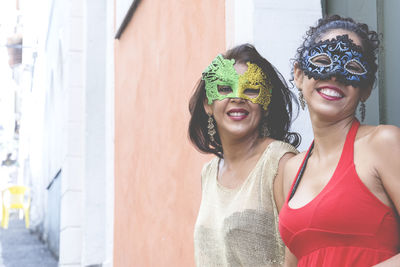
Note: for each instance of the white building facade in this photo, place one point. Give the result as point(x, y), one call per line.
point(68, 128)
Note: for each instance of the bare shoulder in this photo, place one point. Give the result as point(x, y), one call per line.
point(388, 134)
point(279, 182)
point(295, 161)
point(285, 159)
point(379, 149)
point(381, 138)
point(383, 144)
point(290, 170)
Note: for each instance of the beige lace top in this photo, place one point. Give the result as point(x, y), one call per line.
point(239, 227)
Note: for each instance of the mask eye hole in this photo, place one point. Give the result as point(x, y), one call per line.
point(321, 60)
point(251, 92)
point(224, 90)
point(355, 67)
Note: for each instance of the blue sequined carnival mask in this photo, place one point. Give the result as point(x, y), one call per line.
point(338, 57)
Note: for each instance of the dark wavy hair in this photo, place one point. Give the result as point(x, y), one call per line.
point(369, 39)
point(278, 117)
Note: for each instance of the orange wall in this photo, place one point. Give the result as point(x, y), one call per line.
point(158, 60)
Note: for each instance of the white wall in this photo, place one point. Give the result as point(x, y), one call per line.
point(72, 39)
point(109, 135)
point(87, 203)
point(239, 18)
point(73, 113)
point(42, 116)
point(99, 145)
point(121, 9)
point(276, 29)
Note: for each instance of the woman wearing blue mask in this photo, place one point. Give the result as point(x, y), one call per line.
point(343, 194)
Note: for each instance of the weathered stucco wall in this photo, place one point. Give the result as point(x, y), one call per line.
point(158, 60)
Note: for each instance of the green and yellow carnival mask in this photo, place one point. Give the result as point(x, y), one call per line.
point(222, 81)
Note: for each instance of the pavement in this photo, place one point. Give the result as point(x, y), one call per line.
point(20, 247)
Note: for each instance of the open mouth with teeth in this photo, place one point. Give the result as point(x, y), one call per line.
point(330, 93)
point(237, 114)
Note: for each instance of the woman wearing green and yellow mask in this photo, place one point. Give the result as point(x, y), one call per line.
point(241, 111)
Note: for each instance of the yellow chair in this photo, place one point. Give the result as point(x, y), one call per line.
point(15, 197)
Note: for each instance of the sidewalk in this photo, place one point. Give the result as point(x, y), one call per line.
point(20, 248)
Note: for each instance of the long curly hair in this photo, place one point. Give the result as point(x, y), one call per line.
point(279, 115)
point(369, 39)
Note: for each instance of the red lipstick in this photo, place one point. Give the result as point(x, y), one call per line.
point(237, 114)
point(330, 92)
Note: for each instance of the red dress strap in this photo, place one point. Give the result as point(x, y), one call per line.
point(347, 157)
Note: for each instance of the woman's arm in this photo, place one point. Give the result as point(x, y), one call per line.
point(386, 147)
point(287, 172)
point(392, 262)
point(290, 259)
point(279, 195)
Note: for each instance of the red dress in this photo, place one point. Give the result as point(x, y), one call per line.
point(345, 224)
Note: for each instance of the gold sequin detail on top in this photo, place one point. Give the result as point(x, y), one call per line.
point(239, 227)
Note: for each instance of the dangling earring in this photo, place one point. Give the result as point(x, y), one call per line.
point(211, 128)
point(301, 100)
point(362, 110)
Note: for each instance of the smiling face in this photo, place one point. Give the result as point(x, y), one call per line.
point(332, 74)
point(235, 116)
